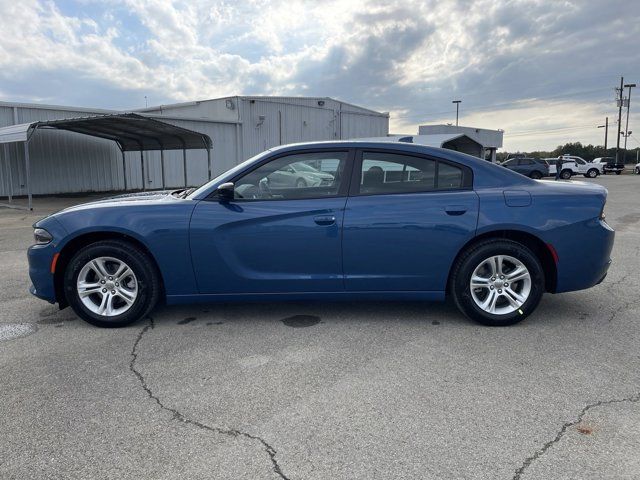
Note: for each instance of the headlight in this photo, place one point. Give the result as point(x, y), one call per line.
point(41, 236)
point(602, 214)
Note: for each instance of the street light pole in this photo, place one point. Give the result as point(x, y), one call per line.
point(606, 132)
point(626, 128)
point(620, 100)
point(457, 102)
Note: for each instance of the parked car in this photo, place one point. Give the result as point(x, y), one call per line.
point(398, 222)
point(637, 169)
point(299, 174)
point(531, 167)
point(573, 166)
point(566, 171)
point(579, 166)
point(609, 165)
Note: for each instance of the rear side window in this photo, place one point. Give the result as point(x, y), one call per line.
point(526, 161)
point(449, 177)
point(384, 172)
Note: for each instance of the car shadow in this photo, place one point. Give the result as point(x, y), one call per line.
point(309, 313)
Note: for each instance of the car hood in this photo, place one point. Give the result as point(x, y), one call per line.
point(318, 174)
point(125, 199)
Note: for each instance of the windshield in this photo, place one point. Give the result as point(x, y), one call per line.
point(230, 172)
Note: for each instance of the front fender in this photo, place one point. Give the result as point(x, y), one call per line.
point(162, 229)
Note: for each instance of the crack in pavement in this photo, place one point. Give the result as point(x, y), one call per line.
point(529, 460)
point(177, 415)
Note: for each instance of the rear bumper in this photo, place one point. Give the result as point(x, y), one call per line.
point(584, 256)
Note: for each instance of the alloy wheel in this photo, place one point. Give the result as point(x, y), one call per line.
point(107, 286)
point(500, 284)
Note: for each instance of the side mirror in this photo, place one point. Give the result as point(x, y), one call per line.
point(225, 191)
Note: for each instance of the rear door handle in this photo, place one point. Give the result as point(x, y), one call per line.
point(325, 219)
point(455, 210)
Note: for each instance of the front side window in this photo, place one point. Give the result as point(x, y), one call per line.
point(396, 173)
point(297, 176)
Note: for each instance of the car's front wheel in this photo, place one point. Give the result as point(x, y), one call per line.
point(565, 174)
point(111, 283)
point(536, 175)
point(497, 282)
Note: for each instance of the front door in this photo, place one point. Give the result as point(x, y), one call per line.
point(275, 236)
point(406, 219)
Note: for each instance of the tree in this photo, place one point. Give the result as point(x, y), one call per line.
point(588, 152)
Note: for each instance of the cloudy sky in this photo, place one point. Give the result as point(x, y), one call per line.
point(544, 71)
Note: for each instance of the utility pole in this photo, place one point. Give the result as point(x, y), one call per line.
point(457, 102)
point(619, 94)
point(626, 128)
point(606, 132)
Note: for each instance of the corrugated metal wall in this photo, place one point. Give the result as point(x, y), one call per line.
point(362, 125)
point(66, 162)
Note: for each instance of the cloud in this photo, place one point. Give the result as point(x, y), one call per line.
point(542, 71)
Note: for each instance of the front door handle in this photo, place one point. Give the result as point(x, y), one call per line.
point(455, 210)
point(325, 219)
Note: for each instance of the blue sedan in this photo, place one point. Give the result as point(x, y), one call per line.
point(388, 220)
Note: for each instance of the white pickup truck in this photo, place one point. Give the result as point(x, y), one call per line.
point(572, 165)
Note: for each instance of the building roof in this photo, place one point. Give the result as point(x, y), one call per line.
point(437, 140)
point(484, 136)
point(131, 131)
point(260, 98)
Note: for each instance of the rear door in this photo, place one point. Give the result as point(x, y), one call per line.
point(526, 166)
point(406, 218)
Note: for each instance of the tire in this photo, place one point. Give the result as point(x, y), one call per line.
point(141, 287)
point(565, 174)
point(536, 175)
point(618, 172)
point(300, 183)
point(592, 173)
point(478, 255)
point(637, 170)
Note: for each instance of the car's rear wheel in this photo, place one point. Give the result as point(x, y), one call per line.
point(111, 283)
point(637, 170)
point(618, 172)
point(592, 173)
point(536, 175)
point(497, 282)
point(300, 183)
point(565, 174)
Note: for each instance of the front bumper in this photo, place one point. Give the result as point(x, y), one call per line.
point(40, 257)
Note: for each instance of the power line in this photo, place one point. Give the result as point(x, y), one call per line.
point(634, 139)
point(548, 131)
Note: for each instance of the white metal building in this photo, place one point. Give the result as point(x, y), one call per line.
point(488, 140)
point(240, 127)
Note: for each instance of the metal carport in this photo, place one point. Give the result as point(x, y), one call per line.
point(132, 132)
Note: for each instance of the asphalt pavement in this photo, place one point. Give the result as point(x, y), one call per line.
point(324, 390)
